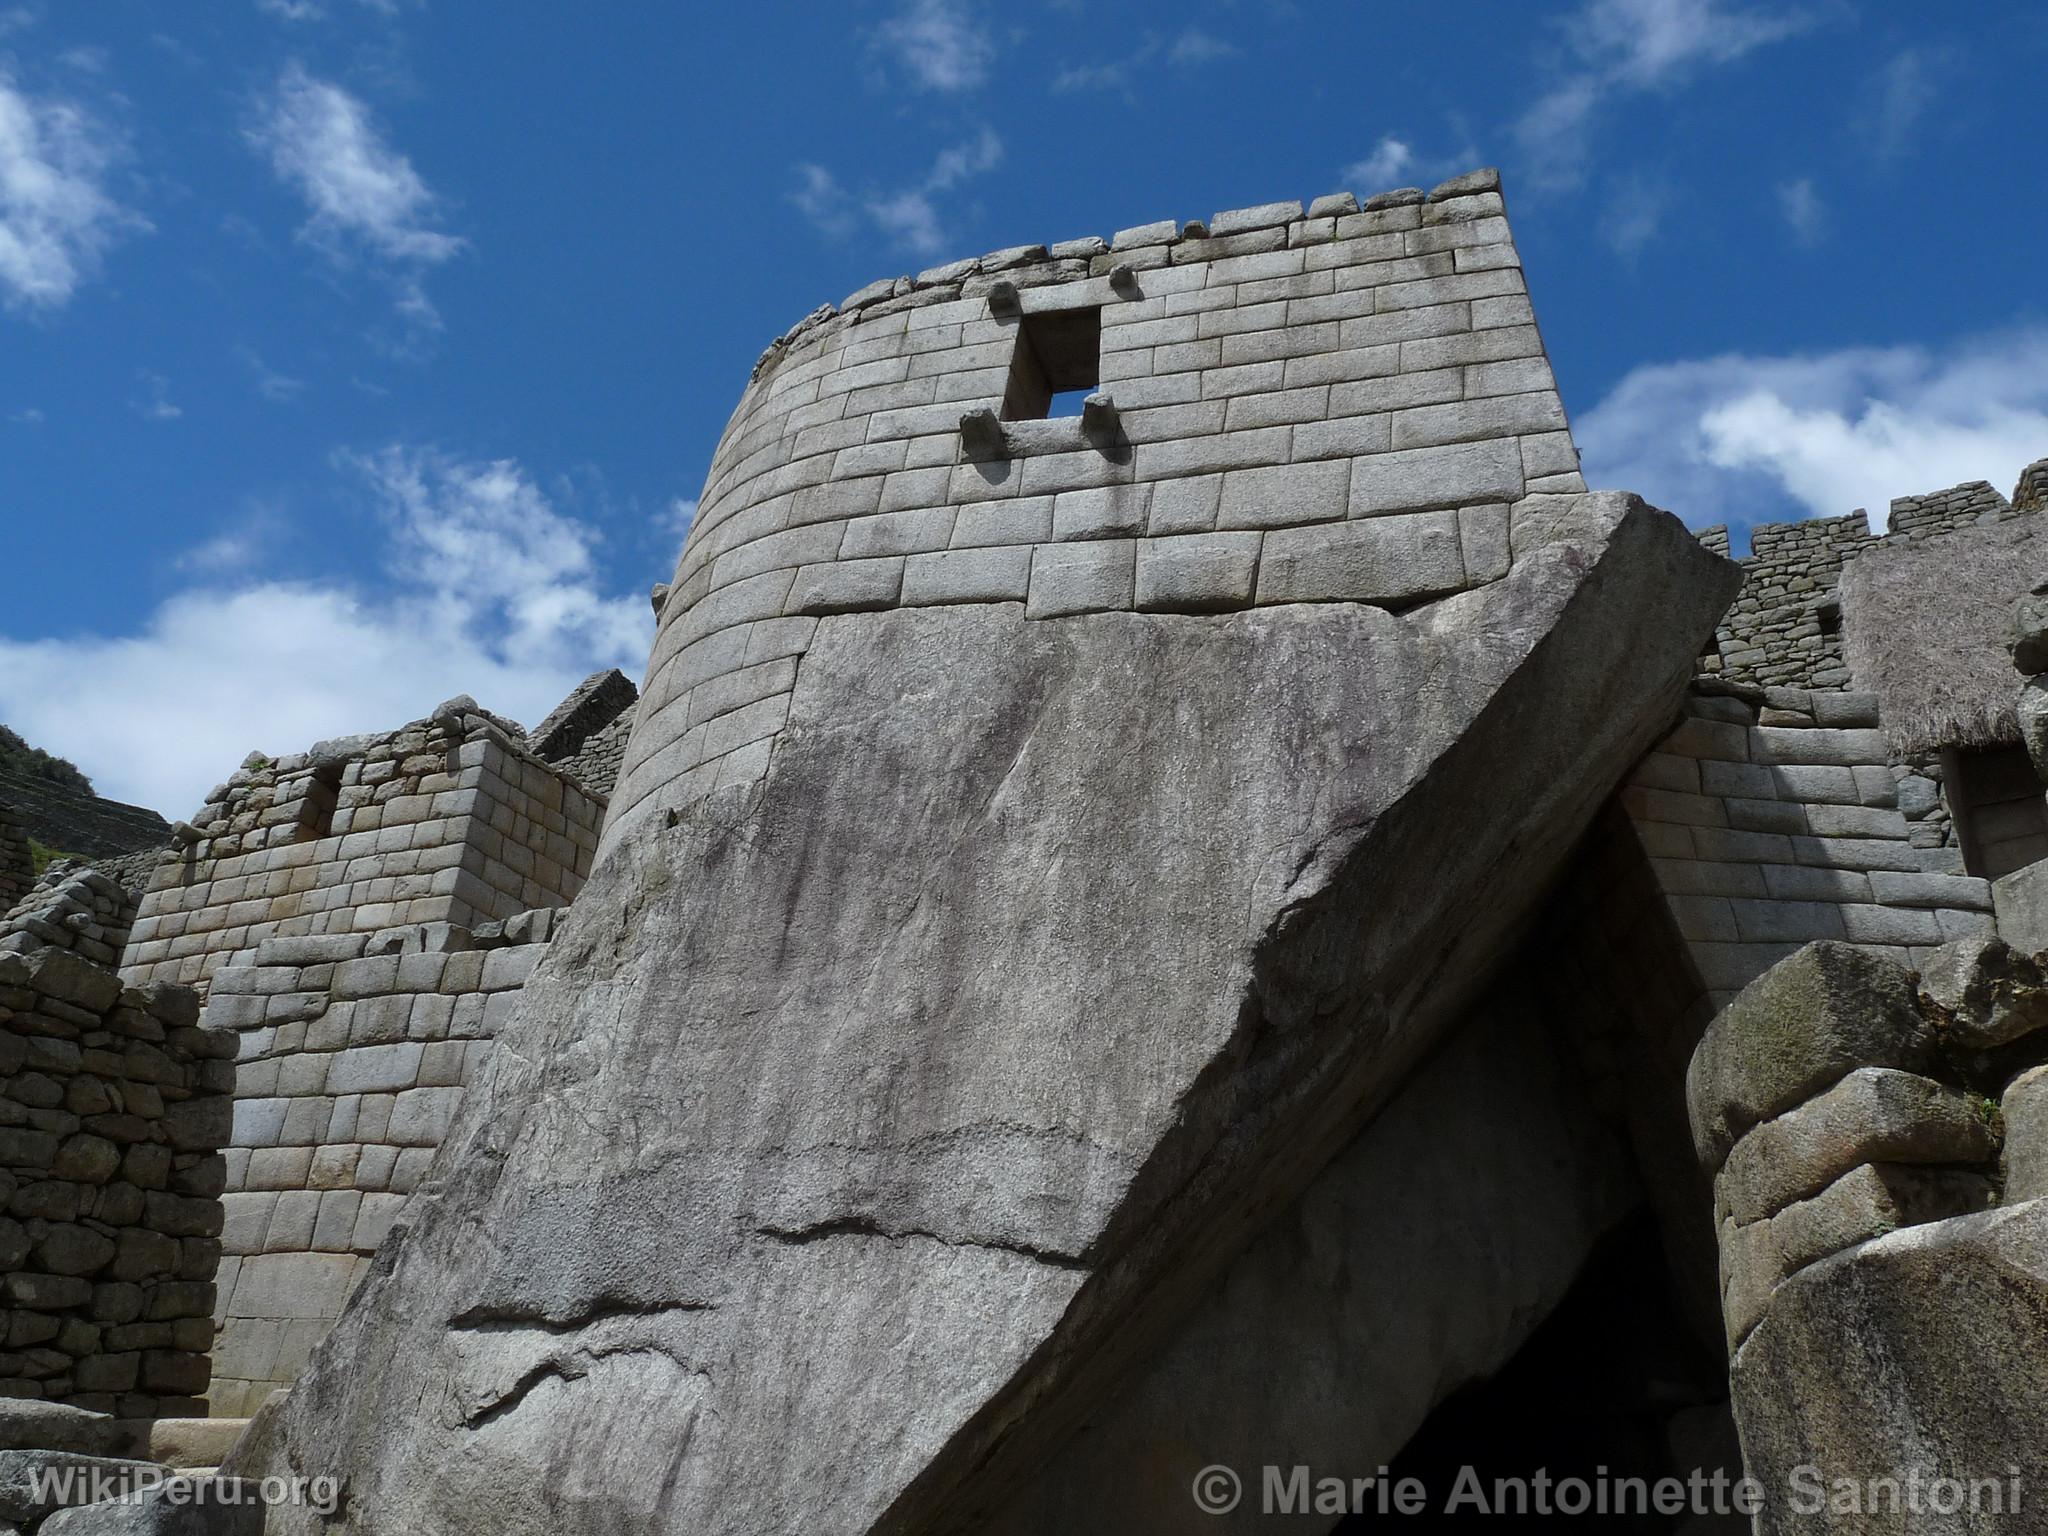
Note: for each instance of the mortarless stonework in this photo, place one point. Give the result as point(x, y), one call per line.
point(447, 820)
point(1310, 409)
point(17, 867)
point(113, 1109)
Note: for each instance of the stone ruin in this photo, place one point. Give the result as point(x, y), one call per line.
point(1249, 923)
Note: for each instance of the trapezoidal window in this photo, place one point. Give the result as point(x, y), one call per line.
point(1058, 361)
point(2000, 813)
point(316, 815)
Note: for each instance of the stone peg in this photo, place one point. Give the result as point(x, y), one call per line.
point(2026, 634)
point(1099, 418)
point(1123, 279)
point(981, 435)
point(184, 834)
point(658, 598)
point(1003, 298)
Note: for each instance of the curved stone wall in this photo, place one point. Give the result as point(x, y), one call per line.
point(1337, 404)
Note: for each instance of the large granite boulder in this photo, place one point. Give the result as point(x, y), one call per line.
point(863, 1129)
point(1908, 1368)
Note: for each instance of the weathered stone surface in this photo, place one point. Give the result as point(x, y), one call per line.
point(1874, 1114)
point(33, 1483)
point(2025, 1112)
point(1983, 994)
point(863, 1125)
point(28, 1425)
point(2020, 901)
point(181, 1507)
point(1805, 1023)
point(2027, 636)
point(1418, 1261)
point(1856, 1372)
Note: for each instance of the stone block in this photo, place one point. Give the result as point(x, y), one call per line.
point(1104, 512)
point(846, 586)
point(1795, 1030)
point(1422, 478)
point(1186, 505)
point(1284, 494)
point(1386, 561)
point(1081, 578)
point(998, 574)
point(1875, 1114)
point(1197, 573)
point(1982, 992)
point(374, 1068)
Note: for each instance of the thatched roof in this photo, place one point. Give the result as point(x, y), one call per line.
point(1924, 629)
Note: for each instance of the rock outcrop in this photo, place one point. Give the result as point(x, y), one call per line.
point(867, 1125)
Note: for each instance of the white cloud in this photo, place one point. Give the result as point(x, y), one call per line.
point(941, 44)
point(907, 216)
point(494, 594)
point(28, 416)
point(362, 194)
point(1740, 439)
point(57, 217)
point(682, 512)
point(1634, 214)
point(276, 387)
point(1384, 167)
point(155, 403)
point(1624, 46)
point(1194, 46)
point(1905, 88)
point(1805, 214)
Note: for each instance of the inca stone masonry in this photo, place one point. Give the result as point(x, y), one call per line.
point(1178, 894)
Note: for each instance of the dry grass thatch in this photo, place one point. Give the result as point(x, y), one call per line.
point(1924, 629)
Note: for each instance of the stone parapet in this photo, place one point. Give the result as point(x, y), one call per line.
point(72, 907)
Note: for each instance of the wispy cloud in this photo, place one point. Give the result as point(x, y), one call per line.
point(270, 384)
point(28, 416)
point(941, 45)
point(493, 590)
point(1742, 439)
point(1384, 167)
point(908, 217)
point(363, 196)
point(1186, 50)
point(155, 403)
point(1620, 47)
point(1805, 214)
point(1634, 214)
point(1898, 99)
point(57, 216)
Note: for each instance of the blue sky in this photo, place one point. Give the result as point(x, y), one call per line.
point(354, 353)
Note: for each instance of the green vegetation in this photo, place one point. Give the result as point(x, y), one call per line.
point(19, 758)
point(42, 858)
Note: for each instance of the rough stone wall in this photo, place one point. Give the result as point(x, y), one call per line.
point(72, 907)
point(1784, 629)
point(1772, 819)
point(114, 1105)
point(1309, 405)
point(354, 1055)
point(446, 820)
point(17, 866)
point(586, 734)
point(78, 822)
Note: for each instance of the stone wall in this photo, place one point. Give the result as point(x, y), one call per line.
point(17, 866)
point(585, 735)
point(1784, 629)
point(1330, 404)
point(72, 907)
point(448, 820)
point(354, 1055)
point(114, 1105)
point(76, 821)
point(1775, 818)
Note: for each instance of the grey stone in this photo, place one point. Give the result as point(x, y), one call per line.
point(1875, 1114)
point(1333, 203)
point(2026, 633)
point(180, 1507)
point(1981, 993)
point(1081, 578)
point(901, 1086)
point(1853, 1374)
point(1800, 1027)
point(997, 574)
point(2020, 902)
point(1384, 560)
point(1237, 221)
point(25, 1496)
point(1467, 185)
point(1419, 479)
point(1197, 573)
point(28, 1425)
point(2025, 1112)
